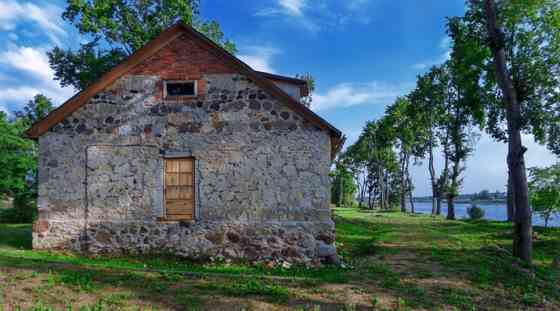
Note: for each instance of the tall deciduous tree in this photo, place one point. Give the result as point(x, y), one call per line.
point(409, 134)
point(17, 156)
point(544, 186)
point(343, 187)
point(463, 106)
point(117, 28)
point(522, 87)
point(374, 160)
point(428, 100)
point(36, 109)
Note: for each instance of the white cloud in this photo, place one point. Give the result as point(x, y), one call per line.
point(353, 94)
point(31, 60)
point(46, 16)
point(314, 15)
point(34, 76)
point(292, 7)
point(259, 57)
point(284, 7)
point(18, 94)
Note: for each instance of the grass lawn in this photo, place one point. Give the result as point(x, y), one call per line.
point(397, 262)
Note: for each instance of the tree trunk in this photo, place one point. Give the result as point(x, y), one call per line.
point(409, 185)
point(369, 199)
point(411, 200)
point(451, 206)
point(510, 202)
point(432, 171)
point(444, 178)
point(341, 190)
point(454, 189)
point(522, 228)
point(387, 189)
point(362, 193)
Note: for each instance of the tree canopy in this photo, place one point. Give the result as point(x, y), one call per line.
point(117, 28)
point(544, 187)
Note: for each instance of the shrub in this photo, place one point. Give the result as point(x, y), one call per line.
point(475, 212)
point(24, 211)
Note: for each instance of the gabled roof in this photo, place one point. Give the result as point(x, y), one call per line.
point(302, 84)
point(172, 33)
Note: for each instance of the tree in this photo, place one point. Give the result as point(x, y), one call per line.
point(310, 80)
point(428, 99)
point(521, 87)
point(355, 160)
point(18, 159)
point(405, 128)
point(343, 187)
point(464, 109)
point(35, 110)
point(544, 189)
point(117, 28)
point(17, 156)
point(373, 159)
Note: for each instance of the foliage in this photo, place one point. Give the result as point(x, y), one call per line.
point(18, 161)
point(310, 80)
point(116, 29)
point(342, 184)
point(373, 163)
point(35, 110)
point(17, 156)
point(475, 212)
point(24, 209)
point(544, 187)
point(531, 39)
point(22, 214)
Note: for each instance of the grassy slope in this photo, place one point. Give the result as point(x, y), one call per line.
point(399, 262)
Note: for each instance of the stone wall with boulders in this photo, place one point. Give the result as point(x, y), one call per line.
point(262, 185)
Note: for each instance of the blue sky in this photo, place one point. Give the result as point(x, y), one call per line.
point(363, 53)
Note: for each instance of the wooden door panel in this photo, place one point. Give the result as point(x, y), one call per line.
point(179, 189)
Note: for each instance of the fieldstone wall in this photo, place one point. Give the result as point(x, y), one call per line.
point(262, 185)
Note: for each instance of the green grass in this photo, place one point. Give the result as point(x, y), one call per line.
point(272, 291)
point(398, 262)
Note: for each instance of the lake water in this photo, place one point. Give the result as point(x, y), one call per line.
point(492, 211)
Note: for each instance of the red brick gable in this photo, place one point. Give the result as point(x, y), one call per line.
point(183, 59)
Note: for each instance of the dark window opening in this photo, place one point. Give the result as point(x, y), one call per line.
point(181, 88)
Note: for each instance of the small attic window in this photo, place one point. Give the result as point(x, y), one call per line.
point(179, 88)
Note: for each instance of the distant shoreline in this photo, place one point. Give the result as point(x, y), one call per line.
point(467, 201)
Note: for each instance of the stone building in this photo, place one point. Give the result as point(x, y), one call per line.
point(185, 149)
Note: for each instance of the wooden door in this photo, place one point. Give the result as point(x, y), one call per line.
point(179, 189)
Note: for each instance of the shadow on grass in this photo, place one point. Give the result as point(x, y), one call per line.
point(170, 290)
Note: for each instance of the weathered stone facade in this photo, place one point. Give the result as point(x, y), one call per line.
point(262, 185)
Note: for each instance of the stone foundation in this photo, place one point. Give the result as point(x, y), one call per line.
point(294, 242)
